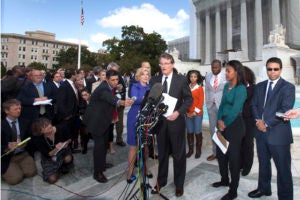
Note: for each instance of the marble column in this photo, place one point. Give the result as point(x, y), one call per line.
point(229, 25)
point(275, 13)
point(218, 30)
point(207, 38)
point(244, 36)
point(258, 30)
point(199, 35)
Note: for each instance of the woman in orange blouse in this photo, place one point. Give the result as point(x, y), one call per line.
point(195, 113)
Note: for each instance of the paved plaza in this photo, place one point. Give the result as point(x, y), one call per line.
point(79, 184)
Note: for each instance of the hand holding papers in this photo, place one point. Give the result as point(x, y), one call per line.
point(44, 102)
point(170, 102)
point(219, 139)
point(63, 145)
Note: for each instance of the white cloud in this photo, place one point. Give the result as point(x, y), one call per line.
point(94, 44)
point(99, 38)
point(150, 18)
point(92, 48)
point(75, 41)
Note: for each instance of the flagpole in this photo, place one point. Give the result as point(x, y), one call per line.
point(79, 45)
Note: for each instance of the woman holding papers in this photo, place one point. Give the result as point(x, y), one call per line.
point(195, 113)
point(53, 144)
point(231, 126)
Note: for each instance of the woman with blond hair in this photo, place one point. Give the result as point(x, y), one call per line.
point(138, 91)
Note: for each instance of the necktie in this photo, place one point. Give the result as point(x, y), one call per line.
point(42, 107)
point(14, 131)
point(215, 86)
point(165, 85)
point(269, 91)
point(115, 115)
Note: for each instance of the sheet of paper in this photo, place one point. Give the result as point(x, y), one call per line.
point(222, 143)
point(170, 102)
point(45, 102)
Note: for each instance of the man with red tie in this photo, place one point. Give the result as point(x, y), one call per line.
point(98, 118)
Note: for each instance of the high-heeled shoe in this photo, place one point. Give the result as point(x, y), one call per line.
point(149, 175)
point(131, 179)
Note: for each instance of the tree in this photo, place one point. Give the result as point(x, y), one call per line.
point(37, 65)
point(69, 58)
point(134, 47)
point(112, 46)
point(3, 70)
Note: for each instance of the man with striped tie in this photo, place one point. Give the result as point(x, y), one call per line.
point(214, 84)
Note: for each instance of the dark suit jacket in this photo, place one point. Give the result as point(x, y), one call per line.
point(53, 87)
point(11, 86)
point(247, 113)
point(6, 137)
point(180, 90)
point(281, 100)
point(66, 101)
point(99, 112)
point(122, 82)
point(27, 95)
point(89, 83)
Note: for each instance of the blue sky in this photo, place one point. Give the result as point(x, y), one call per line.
point(103, 18)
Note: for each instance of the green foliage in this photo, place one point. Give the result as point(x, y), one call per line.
point(3, 70)
point(69, 58)
point(37, 65)
point(134, 47)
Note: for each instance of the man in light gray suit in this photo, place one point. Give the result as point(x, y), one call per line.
point(214, 84)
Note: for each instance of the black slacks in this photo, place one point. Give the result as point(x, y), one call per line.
point(100, 150)
point(247, 149)
point(171, 141)
point(232, 160)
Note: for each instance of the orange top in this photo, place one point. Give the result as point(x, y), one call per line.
point(198, 101)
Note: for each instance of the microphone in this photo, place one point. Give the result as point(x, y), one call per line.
point(133, 98)
point(155, 92)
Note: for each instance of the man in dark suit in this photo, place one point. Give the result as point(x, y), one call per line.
point(273, 134)
point(34, 92)
point(171, 134)
point(93, 79)
point(67, 102)
point(11, 84)
point(98, 118)
point(17, 164)
point(121, 93)
point(54, 85)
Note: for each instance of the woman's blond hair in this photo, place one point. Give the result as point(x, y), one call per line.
point(140, 71)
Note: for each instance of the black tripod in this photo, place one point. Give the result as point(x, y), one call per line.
point(147, 118)
point(144, 139)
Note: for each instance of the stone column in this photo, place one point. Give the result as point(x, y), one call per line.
point(275, 13)
point(258, 30)
point(229, 25)
point(199, 35)
point(218, 30)
point(244, 36)
point(207, 38)
point(194, 48)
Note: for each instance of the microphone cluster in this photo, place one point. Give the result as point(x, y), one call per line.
point(150, 114)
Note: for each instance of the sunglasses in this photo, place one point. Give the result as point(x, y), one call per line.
point(273, 69)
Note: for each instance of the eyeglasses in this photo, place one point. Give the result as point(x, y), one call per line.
point(273, 69)
point(163, 64)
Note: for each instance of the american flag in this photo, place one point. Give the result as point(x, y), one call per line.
point(82, 17)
